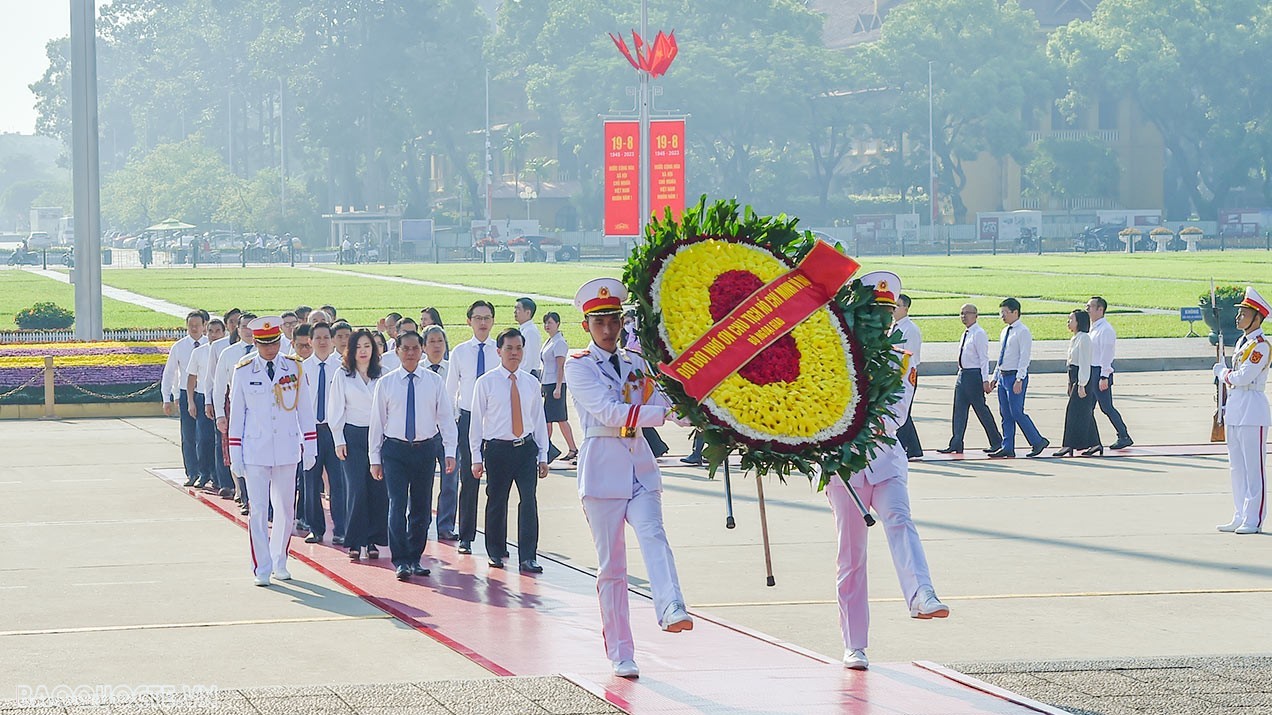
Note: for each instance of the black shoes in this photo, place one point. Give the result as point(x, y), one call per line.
point(692, 460)
point(987, 450)
point(949, 450)
point(496, 563)
point(1001, 454)
point(419, 570)
point(313, 539)
point(465, 547)
point(1066, 452)
point(191, 481)
point(355, 554)
point(1096, 451)
point(1122, 443)
point(531, 566)
point(1037, 450)
point(448, 536)
point(403, 573)
point(226, 493)
point(373, 552)
point(337, 540)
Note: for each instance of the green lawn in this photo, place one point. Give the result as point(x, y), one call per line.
point(20, 289)
point(1048, 286)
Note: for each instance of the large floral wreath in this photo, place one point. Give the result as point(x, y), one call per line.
point(812, 401)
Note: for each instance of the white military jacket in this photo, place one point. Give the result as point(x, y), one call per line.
point(890, 460)
point(1247, 381)
point(271, 421)
point(607, 402)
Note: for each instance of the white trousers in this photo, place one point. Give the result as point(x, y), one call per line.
point(1247, 462)
point(606, 518)
point(276, 487)
point(891, 501)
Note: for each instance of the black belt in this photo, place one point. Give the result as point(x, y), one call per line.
point(512, 442)
point(1009, 372)
point(416, 443)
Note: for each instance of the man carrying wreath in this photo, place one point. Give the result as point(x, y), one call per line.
point(619, 481)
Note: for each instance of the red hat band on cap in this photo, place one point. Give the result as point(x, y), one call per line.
point(267, 334)
point(608, 303)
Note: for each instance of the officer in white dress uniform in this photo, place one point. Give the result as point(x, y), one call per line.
point(883, 485)
point(618, 475)
point(271, 429)
point(1246, 416)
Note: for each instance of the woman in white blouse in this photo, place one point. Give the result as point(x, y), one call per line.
point(1080, 432)
point(554, 352)
point(349, 415)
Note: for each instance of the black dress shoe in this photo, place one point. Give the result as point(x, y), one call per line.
point(373, 552)
point(404, 573)
point(313, 539)
point(949, 450)
point(496, 563)
point(226, 493)
point(1096, 451)
point(419, 570)
point(987, 450)
point(691, 461)
point(1122, 443)
point(1001, 454)
point(244, 511)
point(465, 547)
point(531, 566)
point(190, 482)
point(337, 540)
point(1037, 450)
point(355, 554)
point(448, 536)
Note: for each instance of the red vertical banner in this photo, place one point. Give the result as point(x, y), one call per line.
point(622, 185)
point(667, 167)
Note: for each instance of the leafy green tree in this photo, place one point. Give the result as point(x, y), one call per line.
point(1072, 169)
point(183, 180)
point(987, 63)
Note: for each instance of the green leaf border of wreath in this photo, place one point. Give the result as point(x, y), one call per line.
point(868, 325)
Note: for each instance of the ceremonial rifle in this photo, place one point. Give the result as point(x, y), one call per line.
point(1217, 432)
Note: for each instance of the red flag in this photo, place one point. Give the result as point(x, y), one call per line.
point(622, 47)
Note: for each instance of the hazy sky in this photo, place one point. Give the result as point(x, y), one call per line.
point(27, 26)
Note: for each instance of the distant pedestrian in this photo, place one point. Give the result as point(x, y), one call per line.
point(523, 312)
point(553, 355)
point(174, 394)
point(912, 342)
point(1080, 432)
point(972, 384)
point(1011, 376)
point(1103, 347)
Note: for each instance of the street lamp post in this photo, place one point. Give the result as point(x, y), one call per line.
point(87, 181)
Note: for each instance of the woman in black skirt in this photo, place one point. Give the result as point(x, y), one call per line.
point(1080, 432)
point(554, 352)
point(349, 414)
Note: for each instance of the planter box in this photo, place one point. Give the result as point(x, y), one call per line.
point(1227, 320)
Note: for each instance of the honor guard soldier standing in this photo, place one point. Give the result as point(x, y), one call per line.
point(618, 475)
point(1246, 416)
point(271, 429)
point(883, 485)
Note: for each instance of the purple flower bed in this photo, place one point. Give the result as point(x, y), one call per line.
point(11, 377)
point(64, 352)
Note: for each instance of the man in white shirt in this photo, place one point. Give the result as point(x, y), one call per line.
point(1011, 377)
point(468, 361)
point(972, 384)
point(221, 382)
point(411, 422)
point(912, 342)
point(509, 435)
point(434, 337)
point(523, 312)
point(174, 396)
point(220, 458)
point(320, 370)
point(302, 347)
point(1103, 347)
point(198, 387)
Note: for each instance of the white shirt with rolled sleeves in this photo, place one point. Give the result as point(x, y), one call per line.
point(1019, 348)
point(462, 373)
point(609, 463)
point(492, 411)
point(262, 432)
point(174, 369)
point(1103, 346)
point(1247, 381)
point(911, 340)
point(433, 411)
point(974, 350)
point(224, 374)
point(349, 402)
point(533, 342)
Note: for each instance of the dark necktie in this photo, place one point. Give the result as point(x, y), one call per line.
point(435, 368)
point(247, 348)
point(322, 391)
point(1002, 349)
point(410, 407)
point(269, 369)
point(613, 361)
point(961, 344)
point(481, 359)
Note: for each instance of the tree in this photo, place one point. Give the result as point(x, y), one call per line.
point(1195, 69)
point(987, 63)
point(1072, 169)
point(184, 180)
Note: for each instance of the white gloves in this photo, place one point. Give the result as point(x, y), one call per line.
point(308, 463)
point(1219, 368)
point(237, 468)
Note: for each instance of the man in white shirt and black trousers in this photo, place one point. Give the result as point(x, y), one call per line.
point(972, 384)
point(508, 439)
point(1103, 347)
point(174, 394)
point(523, 312)
point(468, 361)
point(1011, 377)
point(911, 342)
point(411, 423)
point(320, 370)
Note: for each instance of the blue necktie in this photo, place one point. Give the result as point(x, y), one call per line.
point(481, 359)
point(322, 391)
point(410, 407)
point(1002, 349)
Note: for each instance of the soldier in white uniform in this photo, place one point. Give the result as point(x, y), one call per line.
point(618, 475)
point(271, 429)
point(1246, 416)
point(883, 485)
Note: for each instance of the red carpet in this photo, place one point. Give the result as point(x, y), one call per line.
point(550, 624)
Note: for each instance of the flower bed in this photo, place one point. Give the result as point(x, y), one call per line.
point(82, 372)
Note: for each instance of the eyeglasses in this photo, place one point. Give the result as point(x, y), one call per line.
point(482, 317)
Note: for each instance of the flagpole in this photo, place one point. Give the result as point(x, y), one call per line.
point(645, 148)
